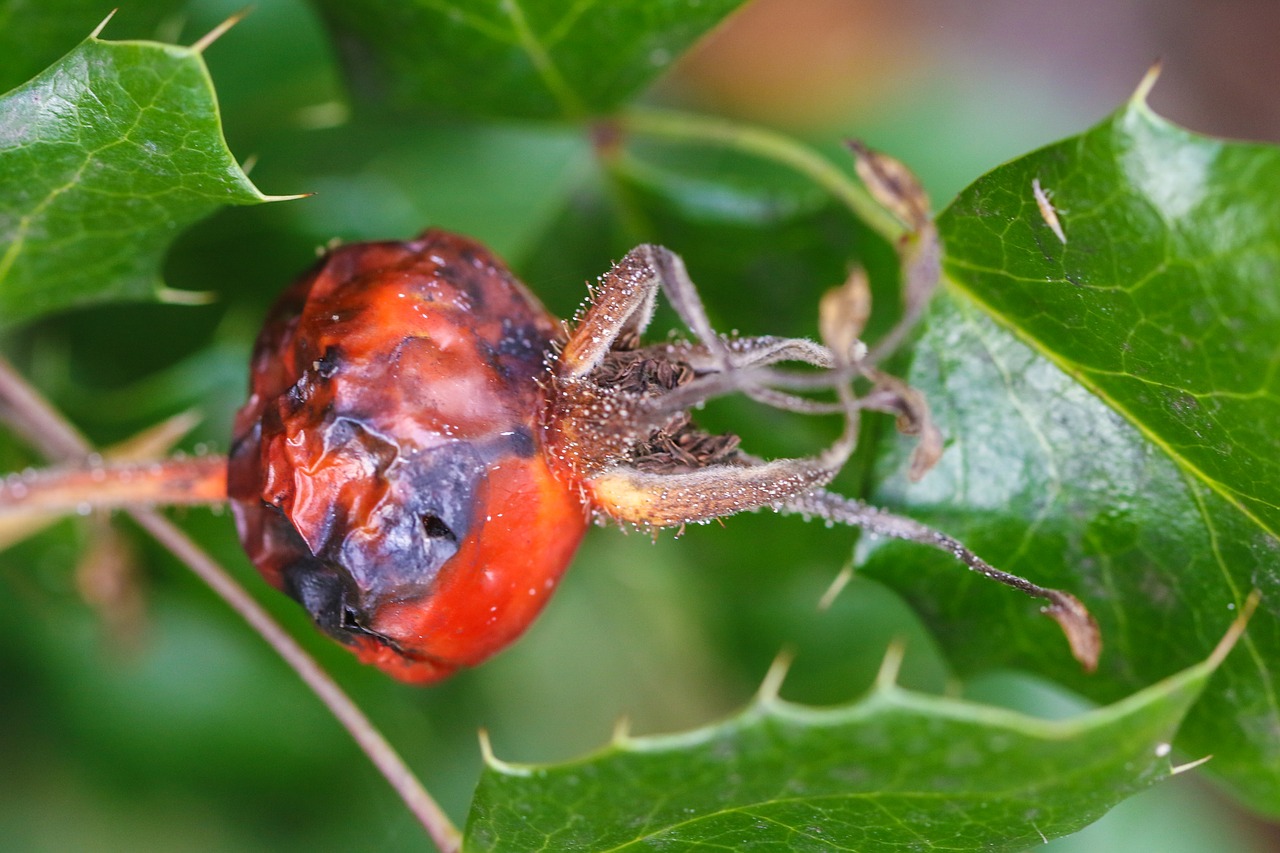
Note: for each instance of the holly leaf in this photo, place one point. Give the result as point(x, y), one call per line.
point(105, 157)
point(517, 58)
point(1112, 401)
point(895, 769)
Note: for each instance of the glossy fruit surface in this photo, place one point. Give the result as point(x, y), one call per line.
point(388, 470)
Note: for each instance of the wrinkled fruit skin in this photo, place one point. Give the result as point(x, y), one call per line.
point(388, 469)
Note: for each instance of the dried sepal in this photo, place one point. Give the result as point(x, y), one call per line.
point(920, 256)
point(927, 452)
point(900, 192)
point(921, 268)
point(619, 419)
point(1078, 625)
point(893, 185)
point(842, 315)
point(912, 417)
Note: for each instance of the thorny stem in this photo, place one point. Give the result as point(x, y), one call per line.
point(22, 405)
point(773, 146)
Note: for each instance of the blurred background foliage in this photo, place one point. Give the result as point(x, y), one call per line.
point(181, 731)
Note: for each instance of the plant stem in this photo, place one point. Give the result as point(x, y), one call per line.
point(32, 415)
point(35, 420)
point(770, 145)
point(185, 481)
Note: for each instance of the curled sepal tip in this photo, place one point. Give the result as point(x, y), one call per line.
point(1078, 624)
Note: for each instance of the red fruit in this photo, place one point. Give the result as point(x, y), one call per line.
point(388, 469)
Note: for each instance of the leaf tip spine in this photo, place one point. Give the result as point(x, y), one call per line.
point(97, 31)
point(1228, 641)
point(202, 43)
point(1190, 765)
point(837, 586)
point(887, 677)
point(621, 732)
point(495, 763)
point(174, 296)
point(1147, 84)
point(773, 679)
point(293, 197)
point(486, 746)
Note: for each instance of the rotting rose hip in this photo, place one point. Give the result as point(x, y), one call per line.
point(424, 445)
point(388, 470)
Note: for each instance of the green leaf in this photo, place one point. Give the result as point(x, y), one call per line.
point(105, 157)
point(895, 770)
point(518, 58)
point(1112, 407)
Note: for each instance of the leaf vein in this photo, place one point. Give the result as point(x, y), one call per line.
point(541, 60)
point(1084, 377)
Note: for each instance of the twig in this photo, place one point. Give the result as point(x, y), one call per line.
point(35, 420)
point(185, 481)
